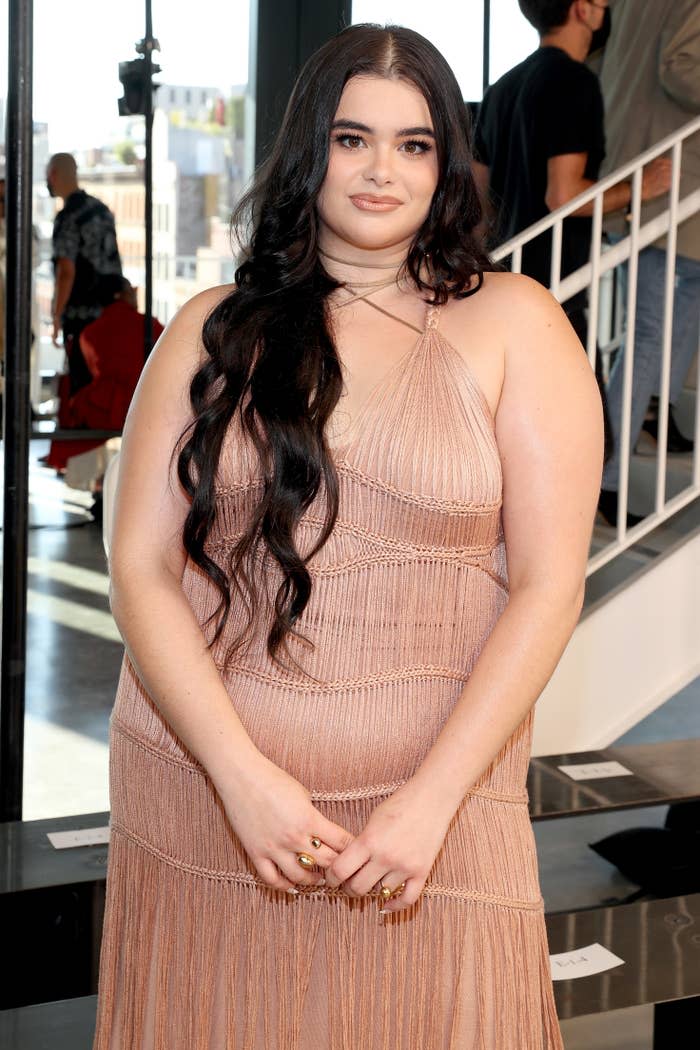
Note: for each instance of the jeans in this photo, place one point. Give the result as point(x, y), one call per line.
point(579, 321)
point(648, 344)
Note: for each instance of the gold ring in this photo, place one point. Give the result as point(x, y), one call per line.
point(387, 894)
point(305, 860)
point(316, 842)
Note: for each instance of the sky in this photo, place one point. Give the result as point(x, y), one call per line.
point(79, 44)
point(456, 28)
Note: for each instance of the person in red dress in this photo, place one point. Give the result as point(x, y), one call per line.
point(113, 348)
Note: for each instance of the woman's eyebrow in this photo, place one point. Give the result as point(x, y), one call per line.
point(417, 131)
point(355, 125)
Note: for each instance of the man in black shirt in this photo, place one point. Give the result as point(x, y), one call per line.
point(540, 141)
point(85, 253)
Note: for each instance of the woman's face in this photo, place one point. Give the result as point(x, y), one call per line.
point(382, 168)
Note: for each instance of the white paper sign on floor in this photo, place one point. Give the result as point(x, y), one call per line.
point(84, 837)
point(583, 962)
point(596, 770)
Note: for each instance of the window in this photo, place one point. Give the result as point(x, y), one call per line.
point(457, 30)
point(69, 699)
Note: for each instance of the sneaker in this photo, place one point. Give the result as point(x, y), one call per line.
point(675, 441)
point(607, 508)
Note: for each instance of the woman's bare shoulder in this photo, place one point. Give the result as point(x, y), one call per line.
point(504, 298)
point(511, 322)
point(517, 310)
point(479, 328)
point(180, 348)
point(206, 300)
point(509, 292)
point(187, 323)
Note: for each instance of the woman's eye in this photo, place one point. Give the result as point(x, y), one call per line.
point(349, 141)
point(415, 147)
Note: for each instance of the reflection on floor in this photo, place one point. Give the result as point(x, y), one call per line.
point(74, 652)
point(74, 656)
point(619, 1030)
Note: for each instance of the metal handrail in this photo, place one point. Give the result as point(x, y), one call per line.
point(600, 187)
point(603, 260)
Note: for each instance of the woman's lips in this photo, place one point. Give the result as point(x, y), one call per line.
point(369, 203)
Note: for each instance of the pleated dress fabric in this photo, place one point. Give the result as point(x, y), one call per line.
point(197, 954)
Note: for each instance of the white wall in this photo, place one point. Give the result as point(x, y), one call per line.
point(626, 657)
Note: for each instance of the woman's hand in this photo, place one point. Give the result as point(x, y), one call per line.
point(398, 844)
point(275, 819)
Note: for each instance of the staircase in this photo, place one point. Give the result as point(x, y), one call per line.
point(638, 640)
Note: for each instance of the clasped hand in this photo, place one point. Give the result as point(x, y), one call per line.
point(275, 819)
point(398, 845)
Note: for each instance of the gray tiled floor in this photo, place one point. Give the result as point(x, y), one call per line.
point(620, 1030)
point(74, 655)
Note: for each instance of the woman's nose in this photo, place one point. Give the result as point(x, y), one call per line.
point(379, 167)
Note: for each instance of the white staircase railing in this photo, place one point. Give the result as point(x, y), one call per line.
point(603, 260)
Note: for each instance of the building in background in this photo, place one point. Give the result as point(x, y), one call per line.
point(198, 175)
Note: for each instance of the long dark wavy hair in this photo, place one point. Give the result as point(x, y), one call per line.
point(271, 354)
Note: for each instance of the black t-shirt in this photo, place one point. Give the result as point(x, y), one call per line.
point(546, 106)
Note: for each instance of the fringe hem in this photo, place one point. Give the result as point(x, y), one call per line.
point(202, 964)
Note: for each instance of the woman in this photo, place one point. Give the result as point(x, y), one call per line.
point(352, 524)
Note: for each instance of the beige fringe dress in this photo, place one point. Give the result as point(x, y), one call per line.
point(197, 954)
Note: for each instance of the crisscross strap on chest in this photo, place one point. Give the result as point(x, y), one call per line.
point(431, 314)
point(395, 317)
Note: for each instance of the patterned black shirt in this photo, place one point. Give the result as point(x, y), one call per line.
point(84, 232)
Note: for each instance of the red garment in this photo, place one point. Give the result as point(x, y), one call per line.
point(113, 350)
point(60, 451)
point(112, 347)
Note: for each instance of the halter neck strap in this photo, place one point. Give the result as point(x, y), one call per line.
point(370, 287)
point(361, 265)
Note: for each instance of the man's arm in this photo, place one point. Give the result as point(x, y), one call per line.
point(65, 276)
point(565, 180)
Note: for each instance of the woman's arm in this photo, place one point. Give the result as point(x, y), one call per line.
point(550, 437)
point(162, 636)
point(147, 558)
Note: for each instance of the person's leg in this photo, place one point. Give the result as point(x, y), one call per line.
point(686, 331)
point(613, 400)
point(77, 369)
point(579, 322)
point(647, 358)
point(686, 323)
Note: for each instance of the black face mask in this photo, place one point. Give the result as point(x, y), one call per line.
point(600, 36)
